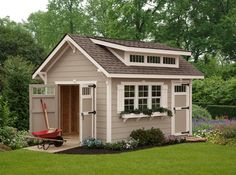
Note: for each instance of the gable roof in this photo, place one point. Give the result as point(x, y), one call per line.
point(113, 67)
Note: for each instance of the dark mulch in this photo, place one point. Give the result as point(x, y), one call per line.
point(83, 150)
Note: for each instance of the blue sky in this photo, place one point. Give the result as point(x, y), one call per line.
point(19, 10)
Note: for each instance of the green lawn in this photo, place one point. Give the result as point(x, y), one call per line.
point(198, 158)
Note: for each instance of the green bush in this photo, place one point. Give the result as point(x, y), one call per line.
point(128, 144)
point(222, 110)
point(11, 137)
point(223, 135)
point(153, 136)
point(4, 113)
point(200, 112)
point(92, 143)
point(202, 130)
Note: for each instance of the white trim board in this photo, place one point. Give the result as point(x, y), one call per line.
point(136, 49)
point(74, 82)
point(155, 76)
point(109, 110)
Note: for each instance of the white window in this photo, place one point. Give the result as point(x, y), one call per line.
point(137, 58)
point(43, 90)
point(180, 88)
point(153, 59)
point(86, 92)
point(168, 60)
point(156, 96)
point(141, 96)
point(129, 97)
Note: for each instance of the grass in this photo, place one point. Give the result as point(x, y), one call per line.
point(198, 158)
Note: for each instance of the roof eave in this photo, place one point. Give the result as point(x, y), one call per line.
point(156, 76)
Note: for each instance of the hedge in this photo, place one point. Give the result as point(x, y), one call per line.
point(219, 110)
point(222, 110)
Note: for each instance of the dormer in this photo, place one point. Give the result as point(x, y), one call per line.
point(136, 53)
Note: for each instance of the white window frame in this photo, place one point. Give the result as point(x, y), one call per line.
point(145, 63)
point(156, 97)
point(149, 98)
point(129, 98)
point(139, 98)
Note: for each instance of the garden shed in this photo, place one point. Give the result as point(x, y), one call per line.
point(100, 87)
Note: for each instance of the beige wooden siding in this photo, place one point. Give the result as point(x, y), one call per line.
point(75, 66)
point(121, 130)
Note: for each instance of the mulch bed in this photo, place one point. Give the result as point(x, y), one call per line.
point(82, 150)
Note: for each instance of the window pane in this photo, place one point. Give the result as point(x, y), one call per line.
point(180, 88)
point(129, 91)
point(136, 58)
point(168, 60)
point(143, 91)
point(156, 91)
point(155, 103)
point(142, 103)
point(129, 104)
point(153, 59)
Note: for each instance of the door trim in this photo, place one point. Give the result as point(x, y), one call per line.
point(188, 98)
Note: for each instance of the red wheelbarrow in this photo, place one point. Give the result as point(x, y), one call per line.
point(51, 136)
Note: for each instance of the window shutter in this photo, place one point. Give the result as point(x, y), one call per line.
point(120, 98)
point(164, 96)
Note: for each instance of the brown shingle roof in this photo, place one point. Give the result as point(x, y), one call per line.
point(114, 66)
point(139, 44)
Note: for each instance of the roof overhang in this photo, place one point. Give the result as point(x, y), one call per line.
point(156, 76)
point(136, 49)
point(71, 42)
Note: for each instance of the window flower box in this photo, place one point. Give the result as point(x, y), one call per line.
point(125, 117)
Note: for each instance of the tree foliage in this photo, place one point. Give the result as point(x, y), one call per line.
point(62, 16)
point(15, 40)
point(16, 79)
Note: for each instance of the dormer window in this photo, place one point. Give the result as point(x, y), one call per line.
point(137, 58)
point(168, 60)
point(153, 59)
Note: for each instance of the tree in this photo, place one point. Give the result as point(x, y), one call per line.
point(15, 40)
point(5, 119)
point(63, 16)
point(125, 19)
point(16, 79)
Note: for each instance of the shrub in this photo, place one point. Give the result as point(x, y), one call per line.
point(202, 130)
point(223, 135)
point(92, 143)
point(128, 144)
point(153, 136)
point(13, 138)
point(170, 140)
point(222, 110)
point(4, 113)
point(200, 112)
point(16, 77)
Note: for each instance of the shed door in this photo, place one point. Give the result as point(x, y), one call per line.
point(48, 94)
point(181, 108)
point(88, 111)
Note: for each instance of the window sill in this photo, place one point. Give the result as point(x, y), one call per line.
point(125, 117)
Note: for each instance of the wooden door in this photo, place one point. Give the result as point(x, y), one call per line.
point(181, 108)
point(48, 94)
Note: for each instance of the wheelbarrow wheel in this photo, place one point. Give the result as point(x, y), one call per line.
point(58, 144)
